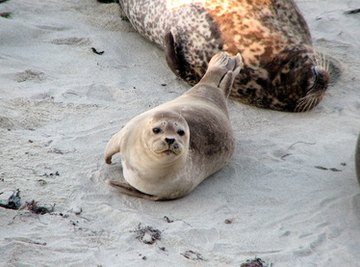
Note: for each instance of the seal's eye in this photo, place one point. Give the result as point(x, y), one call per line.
point(180, 132)
point(313, 80)
point(156, 130)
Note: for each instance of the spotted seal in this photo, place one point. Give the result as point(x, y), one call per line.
point(167, 151)
point(281, 68)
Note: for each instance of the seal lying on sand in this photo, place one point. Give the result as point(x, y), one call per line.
point(167, 151)
point(281, 69)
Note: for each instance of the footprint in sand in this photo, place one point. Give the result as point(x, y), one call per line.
point(75, 41)
point(6, 123)
point(29, 75)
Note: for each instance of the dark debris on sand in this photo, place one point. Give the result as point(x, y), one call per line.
point(192, 255)
point(257, 262)
point(95, 51)
point(35, 208)
point(6, 15)
point(10, 200)
point(352, 11)
point(107, 1)
point(147, 234)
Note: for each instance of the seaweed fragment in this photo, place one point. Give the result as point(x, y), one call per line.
point(6, 15)
point(35, 208)
point(147, 235)
point(257, 262)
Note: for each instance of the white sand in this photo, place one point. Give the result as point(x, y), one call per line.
point(60, 103)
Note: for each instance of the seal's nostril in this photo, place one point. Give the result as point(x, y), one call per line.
point(170, 140)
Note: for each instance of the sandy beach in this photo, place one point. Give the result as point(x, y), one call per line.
point(288, 196)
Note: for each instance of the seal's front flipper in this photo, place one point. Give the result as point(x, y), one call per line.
point(113, 146)
point(175, 58)
point(127, 189)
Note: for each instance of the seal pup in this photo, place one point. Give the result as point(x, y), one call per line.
point(281, 70)
point(167, 151)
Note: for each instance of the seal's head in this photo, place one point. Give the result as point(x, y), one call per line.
point(167, 136)
point(298, 79)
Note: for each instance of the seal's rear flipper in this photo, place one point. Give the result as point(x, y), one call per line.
point(127, 189)
point(176, 61)
point(222, 71)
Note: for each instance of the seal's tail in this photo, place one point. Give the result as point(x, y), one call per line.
point(222, 70)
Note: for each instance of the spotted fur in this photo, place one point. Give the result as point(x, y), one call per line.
point(271, 36)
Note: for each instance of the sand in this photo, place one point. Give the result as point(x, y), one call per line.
point(289, 195)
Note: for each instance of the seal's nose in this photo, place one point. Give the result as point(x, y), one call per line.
point(169, 141)
point(321, 79)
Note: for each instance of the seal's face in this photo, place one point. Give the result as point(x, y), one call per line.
point(294, 80)
point(167, 136)
point(300, 83)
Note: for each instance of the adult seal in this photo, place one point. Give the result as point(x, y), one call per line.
point(281, 69)
point(167, 151)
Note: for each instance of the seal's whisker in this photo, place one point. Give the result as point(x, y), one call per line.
point(312, 103)
point(308, 105)
point(308, 102)
point(299, 107)
point(327, 63)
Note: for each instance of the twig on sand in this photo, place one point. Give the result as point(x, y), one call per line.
point(352, 11)
point(97, 52)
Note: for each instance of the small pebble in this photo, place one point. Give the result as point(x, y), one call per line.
point(147, 238)
point(77, 210)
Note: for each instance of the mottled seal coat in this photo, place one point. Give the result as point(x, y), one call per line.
point(280, 72)
point(167, 151)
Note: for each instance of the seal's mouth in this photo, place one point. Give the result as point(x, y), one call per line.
point(169, 152)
